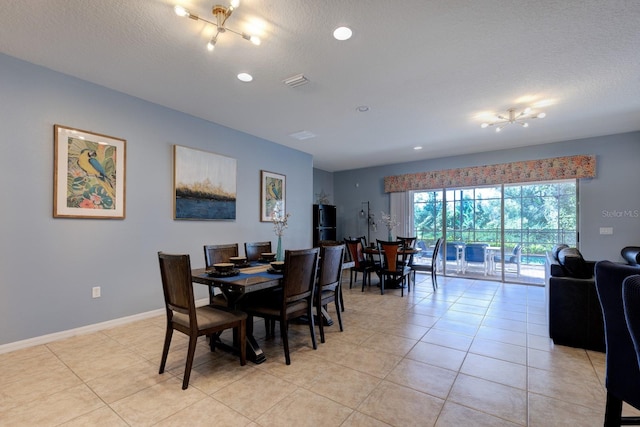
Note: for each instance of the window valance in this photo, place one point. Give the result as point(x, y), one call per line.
point(571, 167)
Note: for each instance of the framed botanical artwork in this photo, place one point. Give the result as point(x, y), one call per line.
point(89, 174)
point(272, 195)
point(204, 185)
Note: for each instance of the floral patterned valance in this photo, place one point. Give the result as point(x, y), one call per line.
point(571, 167)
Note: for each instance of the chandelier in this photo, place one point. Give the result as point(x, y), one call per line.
point(221, 13)
point(513, 117)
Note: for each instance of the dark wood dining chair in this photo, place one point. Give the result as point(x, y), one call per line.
point(361, 264)
point(622, 375)
point(214, 254)
point(409, 243)
point(393, 265)
point(431, 268)
point(254, 250)
point(294, 300)
point(346, 262)
point(184, 316)
point(329, 283)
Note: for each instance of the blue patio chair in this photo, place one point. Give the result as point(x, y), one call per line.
point(514, 258)
point(476, 253)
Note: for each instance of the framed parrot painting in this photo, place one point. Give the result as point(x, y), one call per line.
point(89, 174)
point(272, 195)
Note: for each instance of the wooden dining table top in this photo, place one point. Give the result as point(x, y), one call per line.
point(248, 280)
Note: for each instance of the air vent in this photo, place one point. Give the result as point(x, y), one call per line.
point(302, 135)
point(296, 81)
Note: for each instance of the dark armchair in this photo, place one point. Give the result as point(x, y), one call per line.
point(622, 374)
point(575, 315)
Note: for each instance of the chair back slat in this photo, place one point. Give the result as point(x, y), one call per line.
point(299, 276)
point(254, 250)
point(631, 300)
point(407, 242)
point(355, 250)
point(436, 249)
point(389, 255)
point(176, 282)
point(331, 258)
point(622, 371)
point(214, 254)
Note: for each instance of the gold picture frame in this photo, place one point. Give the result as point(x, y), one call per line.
point(89, 174)
point(272, 195)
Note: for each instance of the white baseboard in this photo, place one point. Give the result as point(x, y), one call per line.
point(44, 339)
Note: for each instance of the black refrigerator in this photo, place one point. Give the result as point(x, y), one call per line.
point(324, 223)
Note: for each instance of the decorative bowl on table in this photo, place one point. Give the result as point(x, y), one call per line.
point(238, 261)
point(267, 256)
point(223, 267)
point(277, 266)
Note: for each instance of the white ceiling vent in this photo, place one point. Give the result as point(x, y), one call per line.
point(295, 81)
point(302, 135)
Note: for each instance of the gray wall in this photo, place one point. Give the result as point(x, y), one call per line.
point(322, 184)
point(615, 189)
point(49, 265)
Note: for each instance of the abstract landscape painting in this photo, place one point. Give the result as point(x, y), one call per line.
point(204, 185)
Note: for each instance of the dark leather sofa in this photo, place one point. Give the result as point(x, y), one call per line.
point(575, 315)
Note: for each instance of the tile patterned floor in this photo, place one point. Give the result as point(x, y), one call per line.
point(472, 353)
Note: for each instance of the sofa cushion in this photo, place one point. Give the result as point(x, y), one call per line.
point(573, 262)
point(556, 249)
point(631, 254)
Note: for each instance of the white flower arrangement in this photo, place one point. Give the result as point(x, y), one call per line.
point(390, 221)
point(279, 221)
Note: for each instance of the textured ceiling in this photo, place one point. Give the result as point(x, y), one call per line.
point(428, 69)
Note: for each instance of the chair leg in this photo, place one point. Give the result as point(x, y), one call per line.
point(338, 309)
point(382, 284)
point(320, 322)
point(613, 411)
point(341, 299)
point(284, 332)
point(312, 326)
point(193, 340)
point(364, 279)
point(273, 328)
point(165, 349)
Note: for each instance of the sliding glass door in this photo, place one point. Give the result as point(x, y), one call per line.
point(497, 232)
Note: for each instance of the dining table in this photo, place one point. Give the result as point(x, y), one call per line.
point(372, 251)
point(256, 277)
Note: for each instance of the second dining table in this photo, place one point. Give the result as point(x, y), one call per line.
point(236, 287)
point(371, 251)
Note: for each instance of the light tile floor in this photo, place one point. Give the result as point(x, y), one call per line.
point(472, 353)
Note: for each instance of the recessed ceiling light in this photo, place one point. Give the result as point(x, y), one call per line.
point(342, 33)
point(417, 148)
point(245, 77)
point(362, 109)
